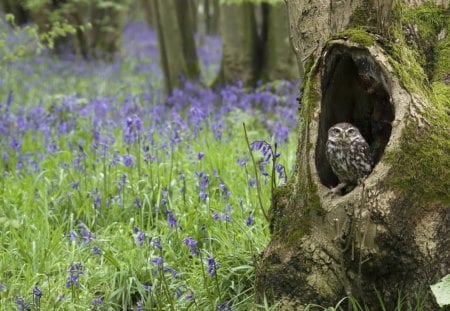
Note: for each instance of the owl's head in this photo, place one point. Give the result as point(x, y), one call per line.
point(343, 132)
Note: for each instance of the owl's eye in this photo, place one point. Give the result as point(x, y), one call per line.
point(351, 131)
point(335, 131)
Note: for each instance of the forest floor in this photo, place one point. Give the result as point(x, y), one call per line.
point(113, 197)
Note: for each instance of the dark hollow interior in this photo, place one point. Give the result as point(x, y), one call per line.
point(354, 90)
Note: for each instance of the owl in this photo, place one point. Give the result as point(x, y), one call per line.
point(348, 154)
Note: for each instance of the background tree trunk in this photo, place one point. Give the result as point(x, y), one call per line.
point(176, 42)
point(255, 44)
point(388, 74)
point(280, 61)
point(15, 8)
point(240, 44)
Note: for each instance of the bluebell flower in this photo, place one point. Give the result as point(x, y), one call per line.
point(2, 287)
point(225, 306)
point(96, 250)
point(241, 162)
point(37, 294)
point(97, 301)
point(21, 304)
point(74, 184)
point(157, 261)
point(140, 238)
point(200, 155)
point(172, 221)
point(192, 244)
point(249, 221)
point(74, 272)
point(128, 160)
point(212, 266)
point(139, 306)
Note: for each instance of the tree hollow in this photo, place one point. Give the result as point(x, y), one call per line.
point(354, 90)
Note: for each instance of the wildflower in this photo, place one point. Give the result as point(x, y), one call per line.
point(212, 265)
point(252, 182)
point(241, 162)
point(22, 305)
point(192, 244)
point(2, 287)
point(200, 155)
point(156, 243)
point(172, 220)
point(190, 296)
point(225, 306)
point(128, 160)
point(178, 292)
point(87, 235)
point(137, 202)
point(139, 306)
point(157, 261)
point(75, 270)
point(96, 250)
point(37, 294)
point(97, 201)
point(97, 301)
point(140, 238)
point(147, 287)
point(74, 184)
point(250, 220)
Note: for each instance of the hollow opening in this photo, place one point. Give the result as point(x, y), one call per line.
point(354, 90)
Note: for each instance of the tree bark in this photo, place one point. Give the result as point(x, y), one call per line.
point(239, 44)
point(365, 64)
point(176, 42)
point(280, 61)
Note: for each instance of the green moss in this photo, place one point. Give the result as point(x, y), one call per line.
point(358, 35)
point(442, 69)
point(420, 27)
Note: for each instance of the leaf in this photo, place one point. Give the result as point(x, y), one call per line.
point(441, 291)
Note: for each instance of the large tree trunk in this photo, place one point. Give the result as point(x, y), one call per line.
point(175, 28)
point(387, 73)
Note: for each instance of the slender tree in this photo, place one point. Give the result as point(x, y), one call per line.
point(383, 67)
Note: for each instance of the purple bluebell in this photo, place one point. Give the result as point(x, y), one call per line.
point(97, 301)
point(85, 233)
point(37, 294)
point(74, 184)
point(249, 220)
point(241, 162)
point(225, 306)
point(96, 250)
point(192, 244)
point(128, 160)
point(157, 261)
point(212, 266)
point(200, 155)
point(74, 272)
point(172, 221)
point(21, 304)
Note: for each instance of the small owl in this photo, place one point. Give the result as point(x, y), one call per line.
point(348, 154)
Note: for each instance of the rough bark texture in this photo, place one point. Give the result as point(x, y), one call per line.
point(389, 235)
point(280, 61)
point(176, 42)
